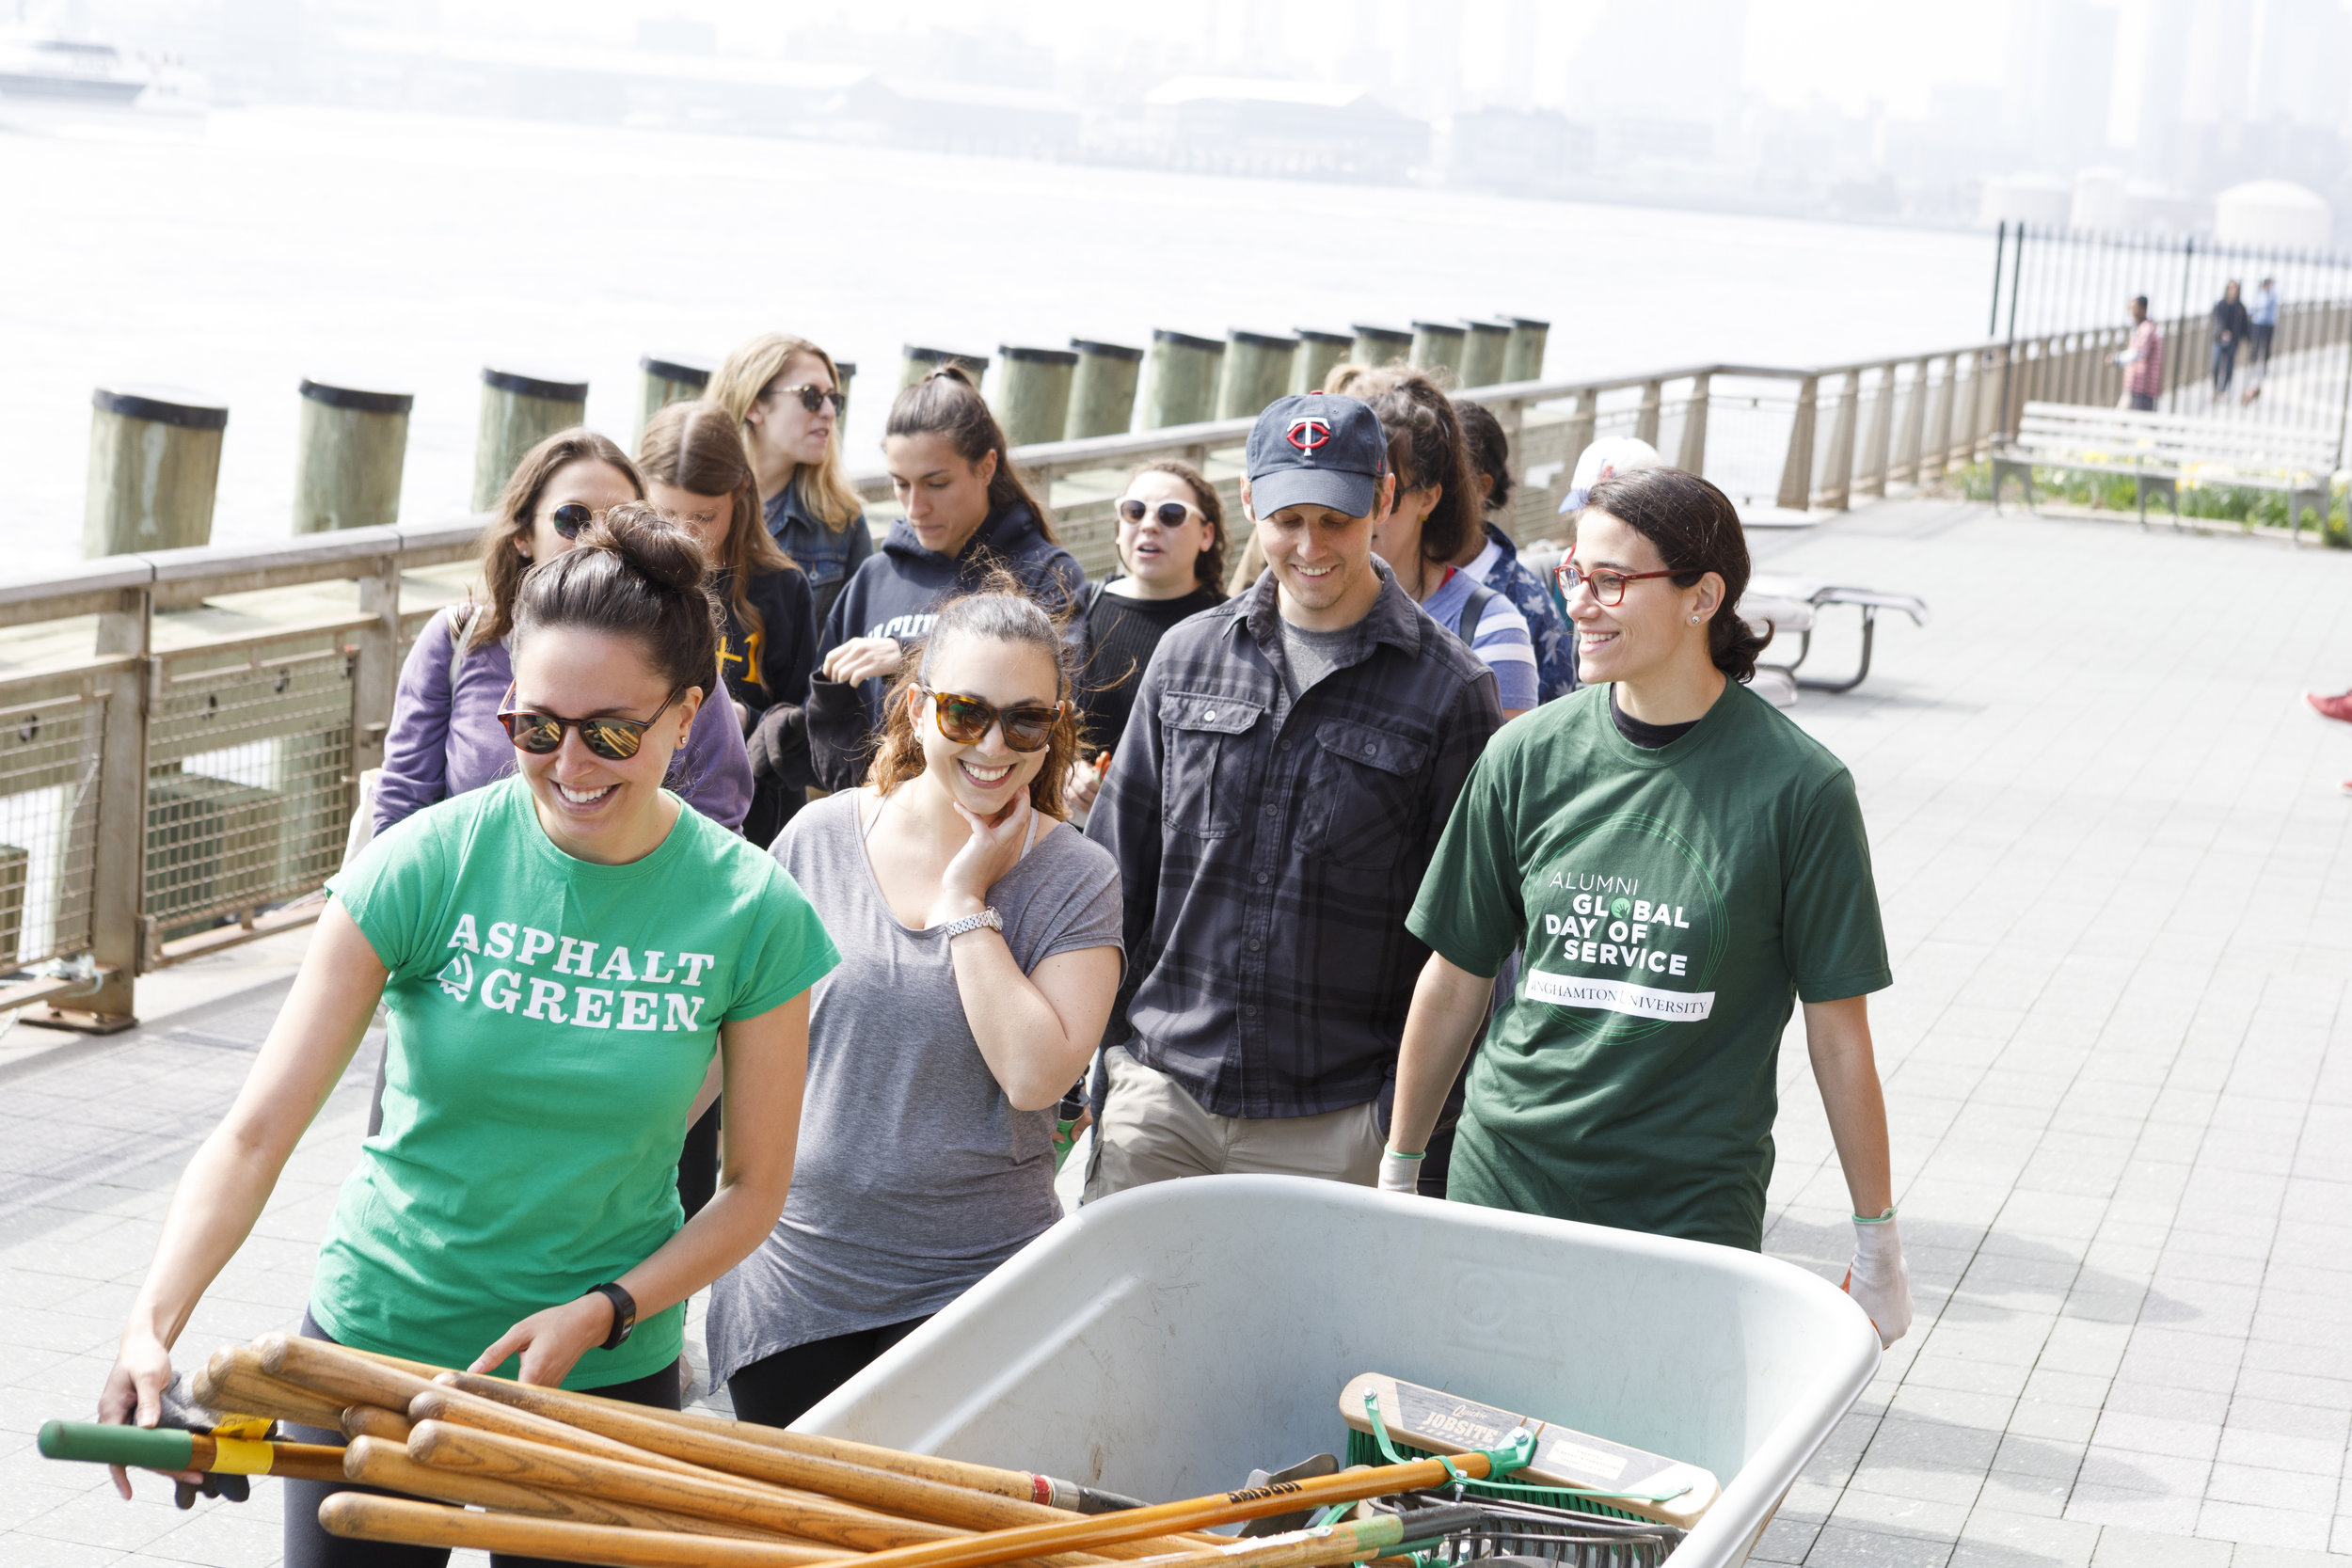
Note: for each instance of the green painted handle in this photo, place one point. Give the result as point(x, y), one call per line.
point(148, 1447)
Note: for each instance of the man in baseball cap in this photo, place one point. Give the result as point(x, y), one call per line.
point(1292, 758)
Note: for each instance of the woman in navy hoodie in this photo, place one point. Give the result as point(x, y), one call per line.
point(966, 513)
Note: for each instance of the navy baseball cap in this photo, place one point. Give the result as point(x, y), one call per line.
point(1317, 448)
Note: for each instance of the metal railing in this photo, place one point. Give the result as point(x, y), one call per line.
point(181, 733)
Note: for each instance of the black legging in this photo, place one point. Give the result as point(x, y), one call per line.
point(777, 1390)
point(309, 1545)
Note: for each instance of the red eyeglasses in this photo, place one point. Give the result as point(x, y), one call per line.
point(1608, 586)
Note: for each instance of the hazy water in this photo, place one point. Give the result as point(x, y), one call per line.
point(239, 254)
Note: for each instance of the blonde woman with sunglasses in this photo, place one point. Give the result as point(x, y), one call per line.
point(1172, 555)
point(788, 394)
point(445, 738)
point(572, 962)
point(982, 948)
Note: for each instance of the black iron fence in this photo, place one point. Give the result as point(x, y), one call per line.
point(2048, 282)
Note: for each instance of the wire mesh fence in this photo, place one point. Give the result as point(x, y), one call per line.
point(250, 784)
point(49, 770)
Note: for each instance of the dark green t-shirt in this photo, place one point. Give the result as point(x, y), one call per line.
point(551, 1021)
point(1673, 904)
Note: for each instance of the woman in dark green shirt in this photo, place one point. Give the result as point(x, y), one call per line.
point(1680, 865)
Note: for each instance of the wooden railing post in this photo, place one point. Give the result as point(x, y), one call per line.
point(1938, 455)
point(1876, 441)
point(1693, 458)
point(378, 675)
point(1646, 422)
point(1796, 469)
point(1915, 426)
point(1838, 481)
point(118, 858)
point(1583, 420)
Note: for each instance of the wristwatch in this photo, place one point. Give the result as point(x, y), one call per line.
point(624, 1314)
point(987, 917)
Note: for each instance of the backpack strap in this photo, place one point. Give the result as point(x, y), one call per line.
point(460, 621)
point(1474, 611)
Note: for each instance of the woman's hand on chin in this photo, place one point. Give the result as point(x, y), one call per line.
point(993, 849)
point(550, 1342)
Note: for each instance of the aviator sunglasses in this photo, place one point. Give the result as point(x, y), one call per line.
point(813, 398)
point(965, 720)
point(614, 739)
point(1171, 514)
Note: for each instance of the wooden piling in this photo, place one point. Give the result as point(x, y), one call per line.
point(1179, 376)
point(1101, 389)
point(1523, 357)
point(1380, 345)
point(1483, 345)
point(1032, 400)
point(154, 469)
point(518, 411)
point(352, 445)
point(1437, 346)
point(665, 379)
point(1317, 353)
point(915, 362)
point(844, 371)
point(1257, 371)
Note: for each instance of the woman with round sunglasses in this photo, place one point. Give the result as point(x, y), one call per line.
point(570, 960)
point(445, 738)
point(1683, 866)
point(981, 947)
point(788, 395)
point(1172, 555)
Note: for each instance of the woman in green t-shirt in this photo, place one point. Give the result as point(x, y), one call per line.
point(571, 962)
point(1680, 864)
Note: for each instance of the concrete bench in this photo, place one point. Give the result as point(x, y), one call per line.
point(2160, 452)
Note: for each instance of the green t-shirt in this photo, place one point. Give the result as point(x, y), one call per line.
point(1672, 904)
point(551, 1021)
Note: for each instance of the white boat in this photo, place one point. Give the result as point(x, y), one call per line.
point(70, 71)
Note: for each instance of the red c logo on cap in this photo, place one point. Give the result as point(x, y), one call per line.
point(1309, 434)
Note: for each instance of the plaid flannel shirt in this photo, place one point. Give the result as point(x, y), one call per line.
point(1270, 851)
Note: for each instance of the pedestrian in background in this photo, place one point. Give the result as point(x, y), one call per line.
point(1171, 557)
point(788, 395)
point(1493, 557)
point(967, 513)
point(2230, 326)
point(1292, 758)
point(445, 736)
point(1433, 515)
point(1681, 864)
point(2143, 359)
point(570, 961)
point(2262, 326)
point(980, 936)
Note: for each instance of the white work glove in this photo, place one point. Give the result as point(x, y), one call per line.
point(1878, 1279)
point(1399, 1173)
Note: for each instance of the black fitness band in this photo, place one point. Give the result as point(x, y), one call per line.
point(624, 1314)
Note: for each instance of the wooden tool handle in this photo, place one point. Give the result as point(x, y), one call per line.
point(635, 1431)
point(232, 1382)
point(1224, 1508)
point(373, 1462)
point(373, 1421)
point(357, 1516)
point(570, 1405)
point(732, 1501)
point(342, 1376)
point(437, 1403)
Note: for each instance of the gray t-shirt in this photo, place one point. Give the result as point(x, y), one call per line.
point(1312, 655)
point(915, 1175)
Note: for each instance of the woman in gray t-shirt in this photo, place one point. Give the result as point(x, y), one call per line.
point(980, 951)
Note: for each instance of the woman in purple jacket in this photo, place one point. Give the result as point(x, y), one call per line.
point(445, 736)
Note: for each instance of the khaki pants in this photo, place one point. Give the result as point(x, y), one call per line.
point(1152, 1130)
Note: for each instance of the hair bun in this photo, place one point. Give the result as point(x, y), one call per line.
point(653, 546)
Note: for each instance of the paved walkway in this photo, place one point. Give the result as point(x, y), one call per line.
point(2109, 840)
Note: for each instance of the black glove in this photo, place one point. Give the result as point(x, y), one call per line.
point(181, 1412)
